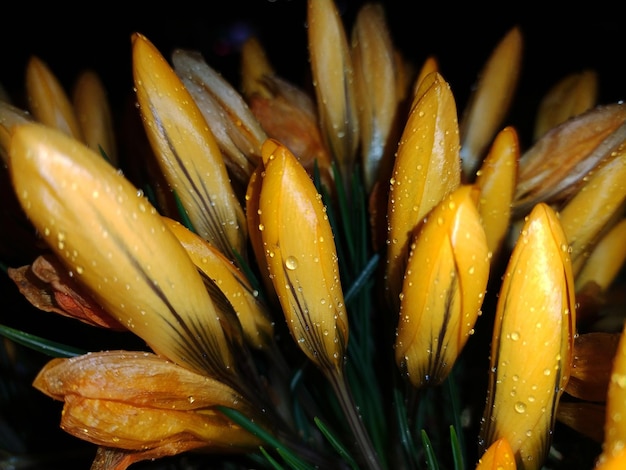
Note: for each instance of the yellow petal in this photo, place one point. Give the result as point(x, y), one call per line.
point(258, 328)
point(255, 66)
point(615, 462)
point(449, 260)
point(47, 100)
point(116, 244)
point(426, 168)
point(535, 311)
point(569, 97)
point(594, 207)
point(187, 151)
point(615, 425)
point(94, 115)
point(375, 84)
point(302, 260)
point(496, 179)
point(236, 129)
point(490, 101)
point(333, 76)
point(499, 456)
point(10, 116)
point(431, 64)
point(605, 260)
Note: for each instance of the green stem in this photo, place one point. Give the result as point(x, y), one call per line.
point(340, 386)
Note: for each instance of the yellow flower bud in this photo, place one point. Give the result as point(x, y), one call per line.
point(47, 100)
point(499, 456)
point(115, 243)
point(187, 151)
point(426, 168)
point(443, 289)
point(301, 258)
point(532, 345)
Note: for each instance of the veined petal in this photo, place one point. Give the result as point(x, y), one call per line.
point(535, 311)
point(605, 260)
point(594, 207)
point(614, 425)
point(375, 84)
point(236, 129)
point(333, 77)
point(496, 179)
point(490, 101)
point(585, 417)
point(426, 168)
point(257, 326)
point(94, 115)
point(115, 243)
point(301, 258)
point(572, 95)
point(556, 166)
point(140, 379)
point(443, 289)
point(499, 456)
point(187, 151)
point(47, 100)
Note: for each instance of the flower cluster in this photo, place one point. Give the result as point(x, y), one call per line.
point(357, 277)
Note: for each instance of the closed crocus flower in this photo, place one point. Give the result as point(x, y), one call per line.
point(143, 406)
point(47, 100)
point(443, 289)
point(427, 168)
point(187, 151)
point(499, 456)
point(532, 345)
point(116, 244)
point(301, 258)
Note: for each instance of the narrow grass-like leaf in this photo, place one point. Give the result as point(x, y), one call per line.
point(336, 443)
point(42, 345)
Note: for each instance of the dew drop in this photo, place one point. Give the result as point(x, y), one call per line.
point(291, 263)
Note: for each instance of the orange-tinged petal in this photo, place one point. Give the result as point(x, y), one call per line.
point(301, 258)
point(257, 326)
point(47, 100)
point(499, 456)
point(116, 244)
point(94, 115)
point(375, 84)
point(443, 289)
point(490, 101)
point(426, 168)
point(496, 179)
point(187, 150)
point(118, 424)
point(535, 311)
point(572, 95)
point(333, 77)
